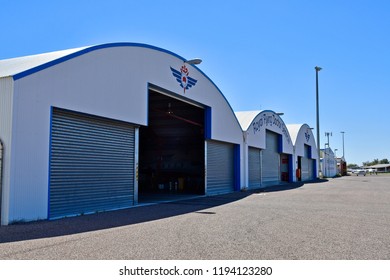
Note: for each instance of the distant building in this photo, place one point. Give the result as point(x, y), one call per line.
point(328, 162)
point(305, 152)
point(379, 167)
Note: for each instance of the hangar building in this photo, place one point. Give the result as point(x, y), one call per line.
point(98, 128)
point(116, 125)
point(305, 152)
point(268, 149)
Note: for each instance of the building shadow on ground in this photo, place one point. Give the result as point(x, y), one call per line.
point(125, 217)
point(290, 186)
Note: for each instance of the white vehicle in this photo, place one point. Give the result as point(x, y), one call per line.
point(372, 171)
point(360, 172)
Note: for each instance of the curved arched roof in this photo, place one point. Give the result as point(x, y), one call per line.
point(297, 129)
point(22, 66)
point(26, 65)
point(245, 118)
point(294, 131)
point(301, 135)
point(18, 68)
point(255, 123)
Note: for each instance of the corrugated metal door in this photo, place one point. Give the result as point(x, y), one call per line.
point(220, 167)
point(307, 164)
point(254, 168)
point(91, 164)
point(305, 168)
point(271, 160)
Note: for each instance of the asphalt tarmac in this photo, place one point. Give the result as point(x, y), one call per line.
point(336, 219)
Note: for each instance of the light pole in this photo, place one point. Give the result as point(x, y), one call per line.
point(318, 118)
point(327, 134)
point(342, 133)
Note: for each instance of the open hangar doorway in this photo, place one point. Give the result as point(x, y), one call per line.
point(171, 149)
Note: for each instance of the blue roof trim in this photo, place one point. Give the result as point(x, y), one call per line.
point(87, 50)
point(113, 45)
point(227, 102)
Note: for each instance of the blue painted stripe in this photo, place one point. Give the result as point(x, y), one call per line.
point(113, 45)
point(207, 123)
point(290, 168)
point(87, 50)
point(315, 175)
point(237, 169)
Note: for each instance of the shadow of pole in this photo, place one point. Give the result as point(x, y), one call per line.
point(130, 216)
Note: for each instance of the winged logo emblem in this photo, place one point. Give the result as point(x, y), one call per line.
point(183, 78)
point(307, 136)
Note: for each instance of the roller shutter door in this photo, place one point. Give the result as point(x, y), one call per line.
point(254, 168)
point(307, 164)
point(271, 160)
point(91, 164)
point(220, 167)
point(305, 168)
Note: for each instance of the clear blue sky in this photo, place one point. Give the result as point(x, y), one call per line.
point(261, 54)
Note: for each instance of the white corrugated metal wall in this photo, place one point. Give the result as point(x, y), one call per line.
point(1, 173)
point(6, 89)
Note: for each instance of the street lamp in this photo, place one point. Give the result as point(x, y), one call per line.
point(318, 118)
point(194, 61)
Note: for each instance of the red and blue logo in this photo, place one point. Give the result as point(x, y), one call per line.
point(182, 76)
